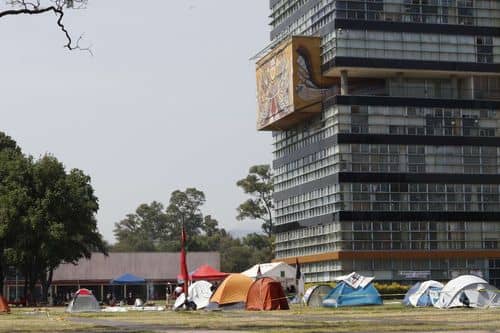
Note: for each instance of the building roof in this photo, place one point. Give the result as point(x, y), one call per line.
point(149, 265)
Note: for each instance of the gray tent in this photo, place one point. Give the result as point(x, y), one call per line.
point(469, 291)
point(314, 295)
point(84, 301)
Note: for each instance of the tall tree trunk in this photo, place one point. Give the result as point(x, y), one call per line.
point(46, 282)
point(3, 267)
point(2, 275)
point(25, 290)
point(32, 288)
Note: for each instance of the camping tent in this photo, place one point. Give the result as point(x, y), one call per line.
point(266, 294)
point(279, 271)
point(314, 295)
point(4, 305)
point(199, 293)
point(468, 290)
point(421, 294)
point(355, 280)
point(83, 301)
point(208, 273)
point(128, 279)
point(345, 295)
point(232, 292)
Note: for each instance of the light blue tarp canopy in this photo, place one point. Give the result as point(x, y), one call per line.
point(345, 295)
point(423, 294)
point(128, 279)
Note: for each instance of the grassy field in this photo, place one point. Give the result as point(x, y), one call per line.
point(387, 318)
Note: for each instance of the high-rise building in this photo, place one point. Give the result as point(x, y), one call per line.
point(385, 117)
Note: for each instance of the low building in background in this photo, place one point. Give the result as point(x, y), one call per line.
point(158, 269)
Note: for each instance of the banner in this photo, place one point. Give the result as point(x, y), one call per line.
point(290, 83)
point(355, 280)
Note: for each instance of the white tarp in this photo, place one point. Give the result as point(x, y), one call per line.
point(277, 270)
point(132, 308)
point(355, 280)
point(424, 288)
point(199, 293)
point(468, 290)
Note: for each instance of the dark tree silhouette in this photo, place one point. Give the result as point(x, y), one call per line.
point(57, 7)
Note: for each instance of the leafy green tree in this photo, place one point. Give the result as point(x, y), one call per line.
point(61, 225)
point(235, 257)
point(155, 228)
point(141, 231)
point(258, 184)
point(261, 245)
point(210, 226)
point(185, 209)
point(14, 199)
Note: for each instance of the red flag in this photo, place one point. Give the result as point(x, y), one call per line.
point(184, 271)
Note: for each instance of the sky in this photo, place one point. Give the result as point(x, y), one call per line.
point(166, 102)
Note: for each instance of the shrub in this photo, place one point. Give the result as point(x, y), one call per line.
point(392, 289)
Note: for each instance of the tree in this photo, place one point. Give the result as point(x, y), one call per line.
point(153, 228)
point(262, 247)
point(259, 185)
point(14, 199)
point(142, 230)
point(47, 216)
point(57, 7)
point(61, 225)
point(185, 209)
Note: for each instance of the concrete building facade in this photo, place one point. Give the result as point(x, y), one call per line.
point(386, 133)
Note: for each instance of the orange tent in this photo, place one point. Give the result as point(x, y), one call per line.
point(266, 294)
point(233, 289)
point(4, 306)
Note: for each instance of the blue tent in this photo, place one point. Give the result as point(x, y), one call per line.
point(128, 279)
point(423, 293)
point(411, 291)
point(344, 295)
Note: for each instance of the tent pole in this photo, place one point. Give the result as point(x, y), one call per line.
point(124, 291)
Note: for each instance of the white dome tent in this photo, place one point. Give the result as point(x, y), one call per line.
point(422, 293)
point(468, 291)
point(199, 293)
point(277, 270)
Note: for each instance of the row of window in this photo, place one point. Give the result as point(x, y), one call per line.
point(399, 197)
point(482, 13)
point(479, 12)
point(401, 236)
point(388, 158)
point(389, 120)
point(411, 46)
point(410, 116)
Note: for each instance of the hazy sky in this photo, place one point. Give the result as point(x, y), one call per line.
point(166, 102)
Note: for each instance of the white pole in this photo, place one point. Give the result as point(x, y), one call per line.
point(17, 281)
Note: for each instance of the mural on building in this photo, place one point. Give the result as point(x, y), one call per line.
point(310, 89)
point(274, 90)
point(290, 85)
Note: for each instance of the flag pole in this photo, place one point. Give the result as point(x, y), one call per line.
point(299, 282)
point(184, 272)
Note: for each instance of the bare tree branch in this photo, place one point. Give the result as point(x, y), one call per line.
point(25, 7)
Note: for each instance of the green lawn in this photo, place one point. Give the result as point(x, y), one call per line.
point(387, 318)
